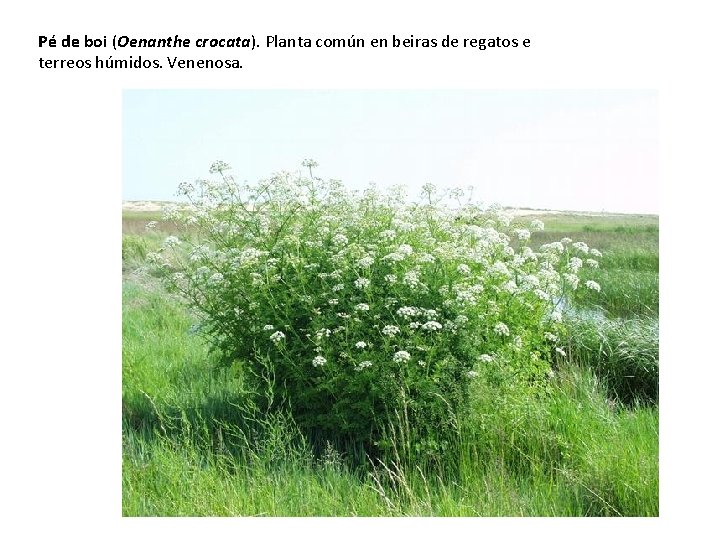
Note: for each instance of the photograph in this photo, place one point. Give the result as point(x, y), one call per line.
point(390, 303)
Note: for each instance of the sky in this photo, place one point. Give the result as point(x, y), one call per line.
point(593, 150)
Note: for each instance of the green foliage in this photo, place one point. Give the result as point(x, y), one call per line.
point(195, 445)
point(624, 293)
point(134, 248)
point(623, 353)
point(484, 428)
point(355, 306)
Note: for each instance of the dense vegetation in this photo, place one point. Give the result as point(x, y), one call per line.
point(562, 421)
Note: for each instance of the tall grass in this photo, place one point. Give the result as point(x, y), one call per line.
point(624, 293)
point(623, 353)
point(194, 445)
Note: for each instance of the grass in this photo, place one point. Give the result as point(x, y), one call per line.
point(623, 353)
point(625, 293)
point(594, 222)
point(194, 445)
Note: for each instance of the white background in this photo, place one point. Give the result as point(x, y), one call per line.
point(60, 268)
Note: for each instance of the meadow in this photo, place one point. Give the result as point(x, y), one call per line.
point(199, 440)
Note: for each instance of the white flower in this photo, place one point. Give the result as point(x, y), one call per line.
point(502, 329)
point(323, 332)
point(404, 249)
point(199, 253)
point(155, 258)
point(464, 296)
point(333, 302)
point(411, 279)
point(556, 316)
point(581, 246)
point(391, 278)
point(217, 277)
point(249, 256)
point(151, 225)
point(572, 280)
point(595, 253)
point(319, 361)
point(550, 336)
point(504, 218)
point(277, 337)
point(463, 269)
point(592, 285)
point(472, 374)
point(408, 311)
point(433, 326)
point(340, 240)
point(542, 295)
point(522, 234)
point(171, 241)
point(401, 357)
point(202, 271)
point(414, 325)
point(591, 263)
point(268, 327)
point(537, 225)
point(388, 234)
point(500, 267)
point(390, 330)
point(185, 188)
point(362, 307)
point(560, 351)
point(365, 262)
point(528, 253)
point(510, 286)
point(362, 283)
point(575, 264)
point(394, 257)
point(363, 365)
point(339, 287)
point(426, 258)
point(486, 358)
point(553, 247)
point(360, 345)
point(171, 212)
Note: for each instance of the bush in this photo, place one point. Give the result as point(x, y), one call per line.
point(367, 310)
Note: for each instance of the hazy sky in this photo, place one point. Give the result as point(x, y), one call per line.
point(580, 149)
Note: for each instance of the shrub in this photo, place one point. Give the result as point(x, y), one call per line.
point(367, 309)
